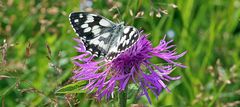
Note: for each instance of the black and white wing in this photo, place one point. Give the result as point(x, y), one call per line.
point(101, 36)
point(125, 40)
point(94, 30)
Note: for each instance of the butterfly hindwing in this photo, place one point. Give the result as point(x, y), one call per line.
point(130, 36)
point(126, 39)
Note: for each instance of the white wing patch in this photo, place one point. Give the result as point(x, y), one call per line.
point(87, 29)
point(126, 30)
point(80, 16)
point(100, 44)
point(105, 35)
point(104, 22)
point(103, 45)
point(84, 25)
point(95, 27)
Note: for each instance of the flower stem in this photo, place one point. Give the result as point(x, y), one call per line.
point(123, 98)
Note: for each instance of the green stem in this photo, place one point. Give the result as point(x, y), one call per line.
point(123, 98)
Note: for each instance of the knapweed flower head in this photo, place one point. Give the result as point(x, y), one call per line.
point(132, 66)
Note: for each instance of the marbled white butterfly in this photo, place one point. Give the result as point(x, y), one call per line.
point(102, 37)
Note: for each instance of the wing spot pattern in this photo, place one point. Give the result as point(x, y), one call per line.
point(84, 25)
point(76, 20)
point(126, 30)
point(105, 35)
point(80, 15)
point(95, 27)
point(96, 31)
point(105, 23)
point(89, 21)
point(87, 29)
point(131, 34)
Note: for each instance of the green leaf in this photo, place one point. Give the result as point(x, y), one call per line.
point(72, 88)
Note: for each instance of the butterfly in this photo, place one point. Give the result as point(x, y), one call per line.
point(102, 37)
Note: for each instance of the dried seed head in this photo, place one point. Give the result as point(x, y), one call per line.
point(115, 16)
point(151, 13)
point(1, 4)
point(174, 5)
point(111, 9)
point(117, 4)
point(164, 11)
point(53, 10)
point(28, 49)
point(131, 12)
point(89, 9)
point(110, 1)
point(158, 15)
point(211, 70)
point(142, 13)
point(138, 14)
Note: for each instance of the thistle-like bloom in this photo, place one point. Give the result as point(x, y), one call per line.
point(131, 66)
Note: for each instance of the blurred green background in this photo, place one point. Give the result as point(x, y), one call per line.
point(36, 42)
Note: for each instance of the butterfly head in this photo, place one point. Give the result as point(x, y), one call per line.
point(118, 26)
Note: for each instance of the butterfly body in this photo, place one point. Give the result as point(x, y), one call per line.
point(102, 37)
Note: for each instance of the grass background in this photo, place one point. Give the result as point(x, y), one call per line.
point(36, 55)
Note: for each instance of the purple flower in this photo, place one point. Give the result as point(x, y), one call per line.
point(131, 66)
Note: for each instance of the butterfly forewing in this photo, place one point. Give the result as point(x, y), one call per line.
point(93, 30)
